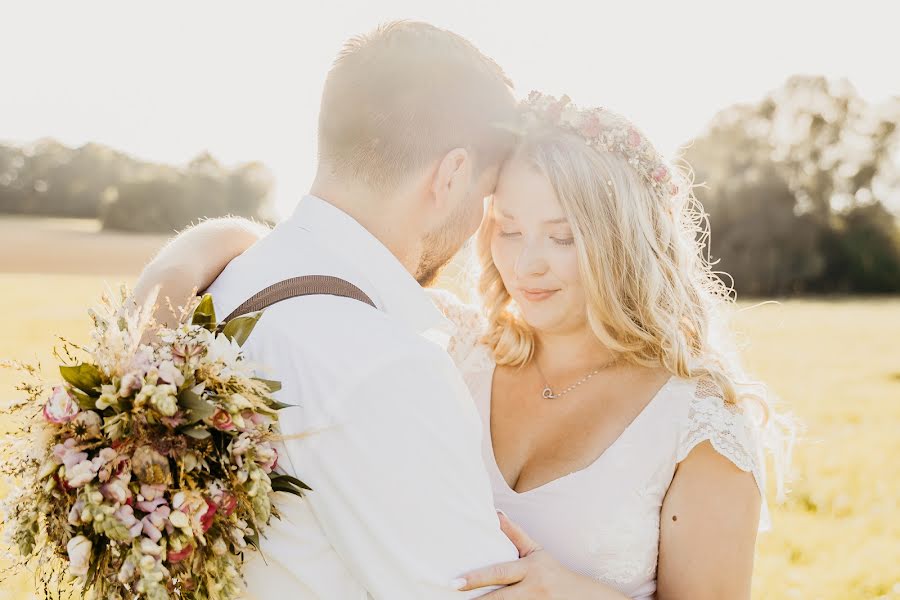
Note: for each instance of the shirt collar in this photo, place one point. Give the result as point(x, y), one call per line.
point(387, 282)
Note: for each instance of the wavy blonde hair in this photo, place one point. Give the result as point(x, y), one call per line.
point(652, 296)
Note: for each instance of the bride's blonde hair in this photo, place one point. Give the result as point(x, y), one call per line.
point(652, 296)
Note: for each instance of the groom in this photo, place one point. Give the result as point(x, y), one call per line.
point(409, 146)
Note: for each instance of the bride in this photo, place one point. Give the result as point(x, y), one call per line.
point(620, 432)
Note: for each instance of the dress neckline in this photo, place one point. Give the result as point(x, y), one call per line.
point(489, 438)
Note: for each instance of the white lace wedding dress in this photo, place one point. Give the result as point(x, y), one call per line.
point(603, 521)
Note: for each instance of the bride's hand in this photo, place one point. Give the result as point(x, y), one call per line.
point(192, 261)
point(535, 575)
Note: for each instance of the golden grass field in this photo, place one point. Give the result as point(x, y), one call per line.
point(835, 364)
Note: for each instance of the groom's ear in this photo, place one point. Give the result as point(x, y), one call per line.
point(452, 179)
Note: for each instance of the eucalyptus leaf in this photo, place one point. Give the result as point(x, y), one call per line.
point(205, 314)
point(85, 377)
point(276, 405)
point(283, 478)
point(197, 408)
point(273, 385)
point(198, 433)
point(253, 539)
point(284, 486)
point(239, 328)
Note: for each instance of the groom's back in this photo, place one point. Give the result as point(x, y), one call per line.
point(387, 435)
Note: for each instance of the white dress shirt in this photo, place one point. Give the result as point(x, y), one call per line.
point(401, 501)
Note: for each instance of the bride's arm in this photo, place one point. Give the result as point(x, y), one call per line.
point(708, 528)
point(193, 259)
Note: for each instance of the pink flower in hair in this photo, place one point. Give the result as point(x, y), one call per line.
point(660, 174)
point(634, 138)
point(590, 127)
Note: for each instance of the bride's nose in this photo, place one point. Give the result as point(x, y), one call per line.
point(531, 261)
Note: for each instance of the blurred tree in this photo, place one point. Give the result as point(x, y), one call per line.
point(48, 178)
point(166, 199)
point(792, 186)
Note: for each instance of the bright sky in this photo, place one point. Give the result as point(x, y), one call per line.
point(168, 79)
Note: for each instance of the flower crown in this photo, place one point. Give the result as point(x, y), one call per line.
point(612, 133)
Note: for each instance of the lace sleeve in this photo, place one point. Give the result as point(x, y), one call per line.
point(469, 325)
point(730, 431)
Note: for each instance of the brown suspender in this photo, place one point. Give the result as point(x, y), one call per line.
point(309, 285)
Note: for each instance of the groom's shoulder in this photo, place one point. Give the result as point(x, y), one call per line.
point(327, 331)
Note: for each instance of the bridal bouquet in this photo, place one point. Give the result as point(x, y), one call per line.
point(147, 471)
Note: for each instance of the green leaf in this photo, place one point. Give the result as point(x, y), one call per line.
point(239, 328)
point(197, 408)
point(287, 479)
point(85, 377)
point(205, 314)
point(273, 385)
point(284, 486)
point(188, 384)
point(85, 402)
point(198, 433)
point(253, 539)
point(276, 405)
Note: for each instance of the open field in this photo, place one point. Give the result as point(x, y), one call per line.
point(835, 364)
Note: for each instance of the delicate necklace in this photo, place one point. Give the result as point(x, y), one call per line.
point(548, 392)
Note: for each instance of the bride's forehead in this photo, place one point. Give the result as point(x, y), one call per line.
point(526, 191)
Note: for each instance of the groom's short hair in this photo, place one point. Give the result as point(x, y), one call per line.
point(403, 96)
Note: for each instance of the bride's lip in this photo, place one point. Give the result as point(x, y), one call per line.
point(536, 295)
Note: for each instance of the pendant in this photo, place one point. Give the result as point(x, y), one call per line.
point(548, 393)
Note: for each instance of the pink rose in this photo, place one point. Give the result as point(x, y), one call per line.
point(590, 128)
point(61, 407)
point(221, 420)
point(660, 174)
point(634, 138)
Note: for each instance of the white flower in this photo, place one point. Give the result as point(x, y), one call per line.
point(126, 573)
point(179, 519)
point(82, 473)
point(219, 547)
point(149, 548)
point(130, 383)
point(116, 490)
point(164, 399)
point(61, 407)
point(145, 394)
point(79, 550)
point(169, 373)
point(108, 397)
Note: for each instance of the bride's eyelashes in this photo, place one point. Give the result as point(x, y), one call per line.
point(567, 241)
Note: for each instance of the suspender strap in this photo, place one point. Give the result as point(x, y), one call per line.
point(309, 285)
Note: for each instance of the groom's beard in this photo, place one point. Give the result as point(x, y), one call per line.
point(433, 261)
point(438, 249)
